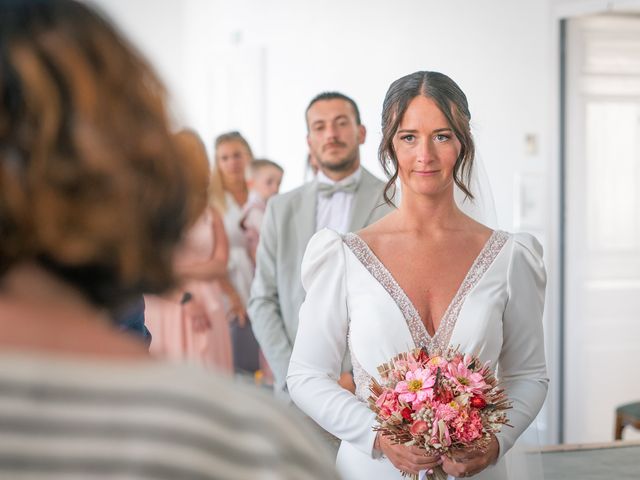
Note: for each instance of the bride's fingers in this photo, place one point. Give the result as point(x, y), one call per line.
point(422, 453)
point(462, 455)
point(421, 456)
point(461, 468)
point(421, 462)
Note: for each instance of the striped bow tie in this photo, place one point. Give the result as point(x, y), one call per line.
point(328, 189)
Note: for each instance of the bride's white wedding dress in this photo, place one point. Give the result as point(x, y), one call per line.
point(353, 303)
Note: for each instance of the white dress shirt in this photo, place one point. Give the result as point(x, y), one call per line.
point(334, 211)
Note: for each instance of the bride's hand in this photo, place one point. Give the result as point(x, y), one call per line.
point(466, 463)
point(407, 459)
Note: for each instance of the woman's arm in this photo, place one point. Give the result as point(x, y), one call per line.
point(316, 361)
point(215, 267)
point(521, 366)
point(320, 345)
point(237, 309)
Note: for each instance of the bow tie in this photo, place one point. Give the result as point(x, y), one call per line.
point(328, 189)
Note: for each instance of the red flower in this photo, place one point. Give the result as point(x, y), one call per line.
point(478, 402)
point(444, 395)
point(406, 413)
point(423, 356)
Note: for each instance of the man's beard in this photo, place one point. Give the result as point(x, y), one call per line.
point(346, 163)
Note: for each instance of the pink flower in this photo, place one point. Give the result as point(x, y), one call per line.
point(440, 434)
point(465, 380)
point(437, 362)
point(446, 411)
point(418, 427)
point(411, 364)
point(468, 427)
point(387, 402)
point(417, 386)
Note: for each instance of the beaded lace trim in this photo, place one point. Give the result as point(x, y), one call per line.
point(421, 337)
point(361, 378)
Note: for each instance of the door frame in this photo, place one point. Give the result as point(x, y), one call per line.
point(561, 12)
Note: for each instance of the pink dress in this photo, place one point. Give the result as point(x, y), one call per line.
point(169, 322)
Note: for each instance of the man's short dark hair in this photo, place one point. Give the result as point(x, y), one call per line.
point(334, 96)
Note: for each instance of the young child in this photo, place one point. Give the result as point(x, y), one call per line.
point(266, 177)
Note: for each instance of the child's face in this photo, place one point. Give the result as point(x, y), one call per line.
point(266, 181)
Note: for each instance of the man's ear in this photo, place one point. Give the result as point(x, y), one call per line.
point(362, 133)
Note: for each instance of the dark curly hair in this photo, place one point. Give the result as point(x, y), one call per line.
point(452, 102)
point(93, 186)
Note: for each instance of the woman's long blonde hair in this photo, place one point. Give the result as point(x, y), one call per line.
point(217, 198)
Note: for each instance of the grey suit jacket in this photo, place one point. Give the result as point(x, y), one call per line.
point(276, 292)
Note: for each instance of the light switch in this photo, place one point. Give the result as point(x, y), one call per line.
point(531, 144)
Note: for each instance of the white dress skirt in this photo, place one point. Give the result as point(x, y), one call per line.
point(353, 302)
point(240, 267)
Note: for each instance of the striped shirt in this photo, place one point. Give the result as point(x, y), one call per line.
point(68, 419)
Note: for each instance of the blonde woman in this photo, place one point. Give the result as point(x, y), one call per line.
point(229, 194)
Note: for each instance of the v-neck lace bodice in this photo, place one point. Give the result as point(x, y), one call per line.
point(440, 340)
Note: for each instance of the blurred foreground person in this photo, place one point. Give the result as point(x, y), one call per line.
point(92, 203)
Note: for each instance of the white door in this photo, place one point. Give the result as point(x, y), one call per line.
point(602, 315)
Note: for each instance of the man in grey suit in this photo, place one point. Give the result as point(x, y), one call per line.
point(343, 196)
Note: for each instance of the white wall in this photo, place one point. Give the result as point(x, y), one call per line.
point(497, 50)
point(175, 36)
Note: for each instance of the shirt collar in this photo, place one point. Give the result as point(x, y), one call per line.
point(355, 176)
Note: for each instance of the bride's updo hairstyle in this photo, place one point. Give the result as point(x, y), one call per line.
point(93, 185)
point(452, 103)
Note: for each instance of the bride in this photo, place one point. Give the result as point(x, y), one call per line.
point(425, 275)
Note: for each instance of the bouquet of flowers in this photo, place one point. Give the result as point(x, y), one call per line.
point(438, 402)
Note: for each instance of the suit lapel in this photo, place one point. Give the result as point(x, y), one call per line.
point(306, 215)
point(368, 197)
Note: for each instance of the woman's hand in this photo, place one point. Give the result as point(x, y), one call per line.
point(237, 310)
point(198, 316)
point(346, 382)
point(406, 459)
point(466, 463)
